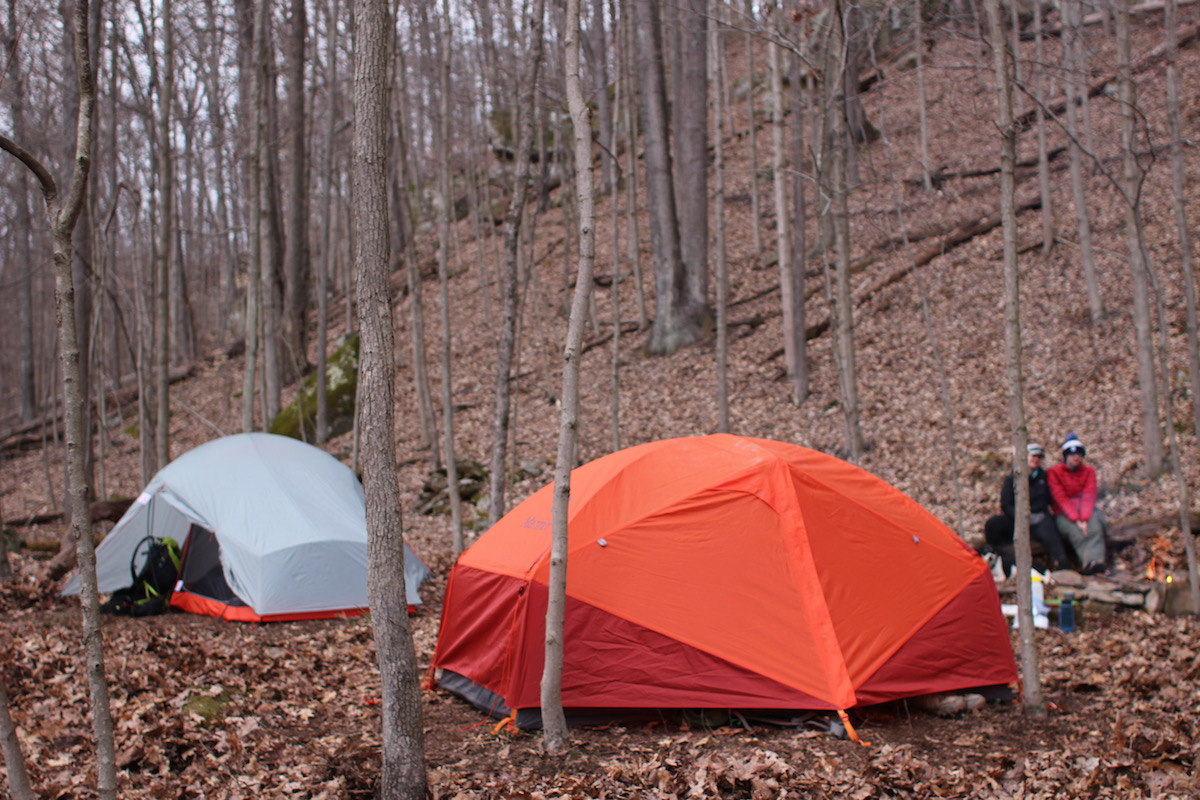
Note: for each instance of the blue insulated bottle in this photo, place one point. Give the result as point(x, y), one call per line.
point(1066, 613)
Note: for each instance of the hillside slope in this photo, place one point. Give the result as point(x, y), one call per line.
point(947, 451)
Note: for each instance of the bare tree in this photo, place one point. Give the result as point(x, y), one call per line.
point(935, 349)
point(1039, 88)
point(21, 224)
point(1170, 20)
point(509, 283)
point(271, 228)
point(798, 226)
point(296, 262)
point(553, 720)
point(690, 137)
point(1031, 678)
point(717, 46)
point(403, 748)
point(407, 169)
point(1131, 191)
point(614, 221)
point(325, 266)
point(781, 171)
point(752, 131)
point(166, 210)
point(256, 213)
point(631, 179)
point(596, 47)
point(677, 323)
point(63, 213)
point(840, 146)
point(922, 94)
point(14, 760)
point(443, 260)
point(1076, 96)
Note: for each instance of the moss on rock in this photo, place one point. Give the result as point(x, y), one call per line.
point(299, 420)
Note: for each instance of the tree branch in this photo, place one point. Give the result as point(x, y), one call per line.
point(49, 187)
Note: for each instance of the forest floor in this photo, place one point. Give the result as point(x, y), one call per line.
point(209, 709)
point(217, 710)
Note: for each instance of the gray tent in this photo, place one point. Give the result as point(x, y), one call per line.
point(271, 529)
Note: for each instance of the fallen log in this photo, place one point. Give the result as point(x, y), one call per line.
point(1130, 530)
point(1185, 37)
point(963, 232)
point(108, 510)
point(1098, 17)
point(941, 176)
point(48, 428)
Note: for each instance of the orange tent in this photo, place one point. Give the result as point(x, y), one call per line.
point(725, 572)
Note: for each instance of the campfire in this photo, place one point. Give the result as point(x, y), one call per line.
point(1160, 556)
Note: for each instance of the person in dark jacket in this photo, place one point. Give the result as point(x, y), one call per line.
point(999, 530)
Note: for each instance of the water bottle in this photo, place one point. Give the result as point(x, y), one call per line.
point(1066, 613)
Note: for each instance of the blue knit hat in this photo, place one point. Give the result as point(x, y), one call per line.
point(1073, 445)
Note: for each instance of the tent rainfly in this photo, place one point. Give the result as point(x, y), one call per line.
point(271, 529)
point(723, 572)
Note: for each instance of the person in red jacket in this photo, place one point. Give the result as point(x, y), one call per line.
point(1079, 519)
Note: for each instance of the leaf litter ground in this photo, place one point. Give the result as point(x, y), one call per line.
point(206, 708)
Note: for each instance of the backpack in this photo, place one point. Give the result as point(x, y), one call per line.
point(152, 584)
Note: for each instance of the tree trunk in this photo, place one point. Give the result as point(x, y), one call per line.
point(1072, 56)
point(798, 228)
point(752, 132)
point(296, 265)
point(271, 233)
point(416, 304)
point(1030, 676)
point(255, 216)
point(507, 341)
point(327, 264)
point(19, 787)
point(1039, 88)
point(553, 720)
point(840, 144)
point(935, 350)
point(227, 287)
point(1189, 281)
point(717, 45)
point(1131, 189)
point(614, 221)
point(166, 210)
point(690, 135)
point(604, 103)
point(673, 326)
point(922, 97)
point(22, 223)
point(631, 181)
point(443, 229)
point(852, 32)
point(63, 213)
point(780, 178)
point(403, 750)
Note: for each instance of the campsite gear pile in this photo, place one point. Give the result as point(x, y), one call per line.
point(271, 529)
point(723, 572)
point(153, 581)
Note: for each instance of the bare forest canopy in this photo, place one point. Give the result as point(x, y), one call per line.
point(857, 219)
